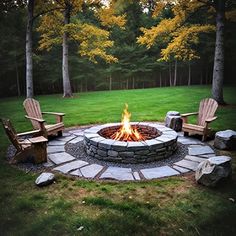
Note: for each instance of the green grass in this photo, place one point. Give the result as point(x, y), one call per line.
point(172, 206)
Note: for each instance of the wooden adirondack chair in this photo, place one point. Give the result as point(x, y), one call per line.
point(32, 108)
point(26, 148)
point(206, 112)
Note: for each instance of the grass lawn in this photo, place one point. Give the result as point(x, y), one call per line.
point(171, 206)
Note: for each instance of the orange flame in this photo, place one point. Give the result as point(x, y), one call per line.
point(126, 131)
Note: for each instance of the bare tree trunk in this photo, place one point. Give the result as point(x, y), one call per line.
point(65, 69)
point(170, 74)
point(175, 78)
point(218, 71)
point(127, 84)
point(17, 77)
point(133, 83)
point(201, 78)
point(189, 74)
point(160, 80)
point(28, 48)
point(110, 83)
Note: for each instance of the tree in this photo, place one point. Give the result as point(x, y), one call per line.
point(92, 40)
point(185, 34)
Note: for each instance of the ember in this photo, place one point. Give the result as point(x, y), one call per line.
point(126, 131)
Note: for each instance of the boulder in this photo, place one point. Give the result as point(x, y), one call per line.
point(173, 120)
point(45, 179)
point(225, 140)
point(211, 171)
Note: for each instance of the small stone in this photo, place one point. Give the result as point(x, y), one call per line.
point(112, 153)
point(211, 171)
point(126, 154)
point(102, 153)
point(142, 152)
point(173, 120)
point(45, 179)
point(225, 140)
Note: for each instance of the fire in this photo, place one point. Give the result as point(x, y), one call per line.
point(126, 131)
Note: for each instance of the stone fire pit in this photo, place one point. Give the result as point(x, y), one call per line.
point(160, 142)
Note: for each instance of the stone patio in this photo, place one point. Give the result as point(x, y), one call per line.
point(61, 161)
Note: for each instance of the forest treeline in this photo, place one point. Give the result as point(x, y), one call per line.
point(137, 66)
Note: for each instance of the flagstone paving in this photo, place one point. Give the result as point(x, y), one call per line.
point(61, 161)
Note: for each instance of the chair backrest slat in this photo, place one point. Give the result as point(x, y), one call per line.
point(11, 133)
point(207, 109)
point(32, 108)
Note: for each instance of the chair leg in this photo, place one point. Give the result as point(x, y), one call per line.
point(186, 134)
point(22, 156)
point(59, 133)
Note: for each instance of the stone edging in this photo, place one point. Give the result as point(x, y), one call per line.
point(150, 150)
point(59, 160)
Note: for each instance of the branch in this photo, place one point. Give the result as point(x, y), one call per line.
point(47, 11)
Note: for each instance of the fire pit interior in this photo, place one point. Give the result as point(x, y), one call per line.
point(130, 142)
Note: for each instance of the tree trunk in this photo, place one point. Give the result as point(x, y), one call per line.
point(127, 84)
point(175, 78)
point(170, 74)
point(133, 84)
point(218, 71)
point(160, 80)
point(17, 77)
point(65, 69)
point(110, 83)
point(189, 74)
point(28, 49)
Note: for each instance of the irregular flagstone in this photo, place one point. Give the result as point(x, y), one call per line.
point(61, 157)
point(81, 133)
point(48, 164)
point(66, 134)
point(199, 149)
point(55, 149)
point(76, 173)
point(180, 169)
point(91, 171)
point(194, 158)
point(76, 140)
point(56, 143)
point(66, 139)
point(192, 165)
point(117, 173)
point(71, 166)
point(188, 141)
point(207, 155)
point(136, 175)
point(158, 172)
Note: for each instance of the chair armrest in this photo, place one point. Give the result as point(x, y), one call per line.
point(35, 119)
point(189, 114)
point(53, 113)
point(211, 119)
point(28, 133)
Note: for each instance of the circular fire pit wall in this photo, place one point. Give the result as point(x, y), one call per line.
point(160, 142)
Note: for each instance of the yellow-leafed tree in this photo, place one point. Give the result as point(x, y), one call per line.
point(61, 26)
point(180, 35)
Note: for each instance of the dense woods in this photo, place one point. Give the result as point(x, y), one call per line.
point(105, 46)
